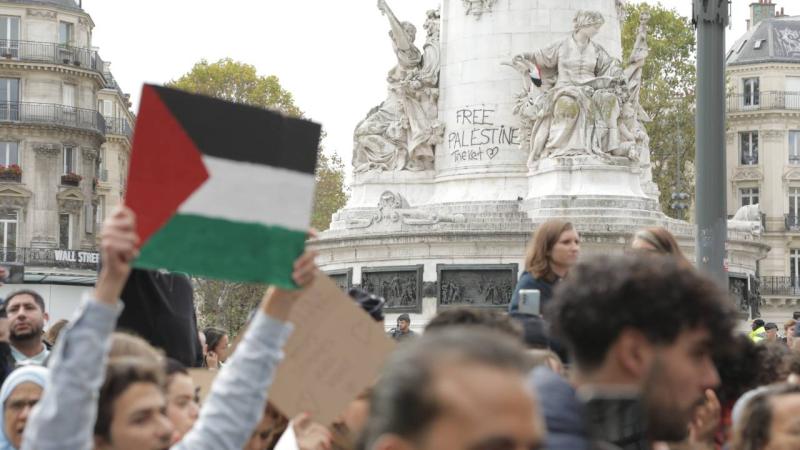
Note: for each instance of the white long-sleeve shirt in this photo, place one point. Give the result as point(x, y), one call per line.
point(65, 416)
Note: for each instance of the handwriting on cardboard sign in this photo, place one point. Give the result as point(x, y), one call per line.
point(479, 137)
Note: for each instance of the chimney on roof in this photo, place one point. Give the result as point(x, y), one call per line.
point(763, 9)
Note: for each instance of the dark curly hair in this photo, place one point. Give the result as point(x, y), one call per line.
point(739, 368)
point(774, 365)
point(650, 293)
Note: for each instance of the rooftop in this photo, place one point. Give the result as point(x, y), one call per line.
point(771, 40)
point(64, 4)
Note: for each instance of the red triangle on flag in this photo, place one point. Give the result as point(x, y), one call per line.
point(166, 166)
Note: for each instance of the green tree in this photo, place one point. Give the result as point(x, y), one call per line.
point(668, 96)
point(228, 304)
point(237, 82)
point(330, 195)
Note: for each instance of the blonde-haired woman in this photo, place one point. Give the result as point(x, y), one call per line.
point(553, 250)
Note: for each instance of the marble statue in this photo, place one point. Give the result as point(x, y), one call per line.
point(401, 132)
point(622, 14)
point(747, 219)
point(393, 209)
point(578, 99)
point(478, 7)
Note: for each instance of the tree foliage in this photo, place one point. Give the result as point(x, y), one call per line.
point(237, 82)
point(228, 304)
point(668, 95)
point(330, 195)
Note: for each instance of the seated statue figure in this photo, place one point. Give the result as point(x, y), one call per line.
point(579, 109)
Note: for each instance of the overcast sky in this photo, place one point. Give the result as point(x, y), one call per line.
point(332, 55)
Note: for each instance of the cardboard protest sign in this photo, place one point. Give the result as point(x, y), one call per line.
point(203, 379)
point(220, 189)
point(334, 353)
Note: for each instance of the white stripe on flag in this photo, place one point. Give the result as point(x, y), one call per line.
point(253, 193)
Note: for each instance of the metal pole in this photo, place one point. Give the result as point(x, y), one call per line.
point(711, 17)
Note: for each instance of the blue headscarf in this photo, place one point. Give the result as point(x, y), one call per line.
point(26, 374)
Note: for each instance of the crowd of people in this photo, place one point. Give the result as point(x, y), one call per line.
point(630, 351)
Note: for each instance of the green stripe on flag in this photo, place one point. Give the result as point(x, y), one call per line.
point(224, 249)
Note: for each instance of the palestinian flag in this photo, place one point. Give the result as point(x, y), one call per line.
point(536, 75)
point(220, 189)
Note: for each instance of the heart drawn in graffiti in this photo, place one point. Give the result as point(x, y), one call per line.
point(492, 152)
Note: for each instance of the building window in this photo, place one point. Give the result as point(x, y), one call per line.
point(794, 147)
point(68, 95)
point(101, 165)
point(748, 149)
point(9, 36)
point(66, 32)
point(9, 99)
point(69, 159)
point(100, 210)
point(64, 231)
point(9, 153)
point(794, 266)
point(794, 201)
point(751, 92)
point(106, 108)
point(8, 228)
point(748, 196)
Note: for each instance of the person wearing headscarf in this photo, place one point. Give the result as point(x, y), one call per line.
point(19, 394)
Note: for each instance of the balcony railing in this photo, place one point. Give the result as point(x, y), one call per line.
point(763, 101)
point(49, 113)
point(119, 126)
point(48, 257)
point(51, 53)
point(780, 286)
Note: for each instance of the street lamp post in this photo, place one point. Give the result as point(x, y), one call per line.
point(711, 17)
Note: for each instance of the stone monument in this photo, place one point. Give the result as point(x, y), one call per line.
point(511, 113)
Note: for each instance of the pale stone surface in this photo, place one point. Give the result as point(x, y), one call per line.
point(40, 198)
point(577, 100)
point(482, 202)
point(747, 219)
point(775, 175)
point(478, 8)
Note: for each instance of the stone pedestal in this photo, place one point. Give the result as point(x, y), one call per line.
point(416, 187)
point(590, 190)
point(461, 229)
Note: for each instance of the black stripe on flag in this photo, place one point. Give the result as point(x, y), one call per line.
point(244, 133)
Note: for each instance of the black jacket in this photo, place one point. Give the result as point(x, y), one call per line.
point(527, 281)
point(159, 307)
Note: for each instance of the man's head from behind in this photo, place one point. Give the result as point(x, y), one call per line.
point(456, 389)
point(26, 315)
point(131, 407)
point(465, 316)
point(647, 322)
